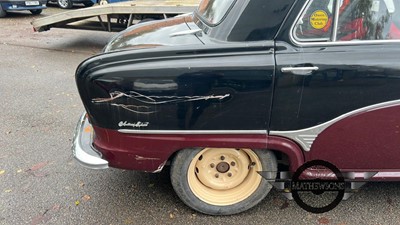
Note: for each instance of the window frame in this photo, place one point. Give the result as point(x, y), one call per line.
point(205, 21)
point(298, 18)
point(332, 40)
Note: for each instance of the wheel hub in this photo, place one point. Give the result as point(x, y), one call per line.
point(223, 167)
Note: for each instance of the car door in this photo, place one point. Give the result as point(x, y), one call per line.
point(337, 87)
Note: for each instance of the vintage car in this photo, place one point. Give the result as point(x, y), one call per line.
point(243, 86)
point(35, 7)
point(68, 4)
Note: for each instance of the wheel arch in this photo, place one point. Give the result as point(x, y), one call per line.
point(290, 149)
point(152, 151)
point(286, 150)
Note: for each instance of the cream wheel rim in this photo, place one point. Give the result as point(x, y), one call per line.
point(224, 176)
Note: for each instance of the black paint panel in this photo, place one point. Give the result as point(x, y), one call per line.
point(349, 77)
point(216, 88)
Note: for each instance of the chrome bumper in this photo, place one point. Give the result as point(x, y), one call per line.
point(82, 147)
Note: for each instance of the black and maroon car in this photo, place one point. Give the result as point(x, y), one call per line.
point(241, 86)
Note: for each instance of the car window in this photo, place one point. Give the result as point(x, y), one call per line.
point(366, 20)
point(357, 20)
point(315, 24)
point(213, 11)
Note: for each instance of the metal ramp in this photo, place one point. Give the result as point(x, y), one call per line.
point(116, 16)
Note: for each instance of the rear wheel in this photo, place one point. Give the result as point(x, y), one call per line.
point(3, 12)
point(36, 11)
point(221, 181)
point(65, 4)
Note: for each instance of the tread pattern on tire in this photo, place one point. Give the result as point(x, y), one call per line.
point(36, 11)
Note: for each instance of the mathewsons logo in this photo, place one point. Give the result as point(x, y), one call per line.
point(317, 186)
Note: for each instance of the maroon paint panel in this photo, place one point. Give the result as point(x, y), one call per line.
point(368, 141)
point(149, 152)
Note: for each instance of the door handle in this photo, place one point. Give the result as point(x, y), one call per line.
point(303, 71)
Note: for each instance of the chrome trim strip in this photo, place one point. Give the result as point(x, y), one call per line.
point(387, 175)
point(336, 20)
point(186, 32)
point(330, 43)
point(82, 149)
point(306, 137)
point(194, 132)
point(292, 34)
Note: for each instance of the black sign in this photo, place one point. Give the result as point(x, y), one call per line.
point(317, 177)
point(318, 186)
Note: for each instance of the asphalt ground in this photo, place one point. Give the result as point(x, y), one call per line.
point(40, 183)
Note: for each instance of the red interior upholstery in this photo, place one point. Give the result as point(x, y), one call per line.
point(394, 32)
point(355, 30)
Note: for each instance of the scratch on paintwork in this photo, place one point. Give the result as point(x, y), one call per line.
point(134, 108)
point(151, 100)
point(138, 157)
point(157, 100)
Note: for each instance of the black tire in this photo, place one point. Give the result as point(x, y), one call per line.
point(183, 162)
point(64, 4)
point(3, 12)
point(36, 11)
point(88, 4)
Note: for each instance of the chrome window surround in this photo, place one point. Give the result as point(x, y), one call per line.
point(292, 31)
point(204, 20)
point(333, 42)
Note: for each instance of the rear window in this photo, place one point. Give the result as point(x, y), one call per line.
point(213, 11)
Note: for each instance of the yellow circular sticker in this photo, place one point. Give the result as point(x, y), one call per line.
point(319, 19)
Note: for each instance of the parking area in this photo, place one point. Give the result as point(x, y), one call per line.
point(40, 183)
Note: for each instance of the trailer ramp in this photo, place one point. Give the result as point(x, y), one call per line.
point(115, 17)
